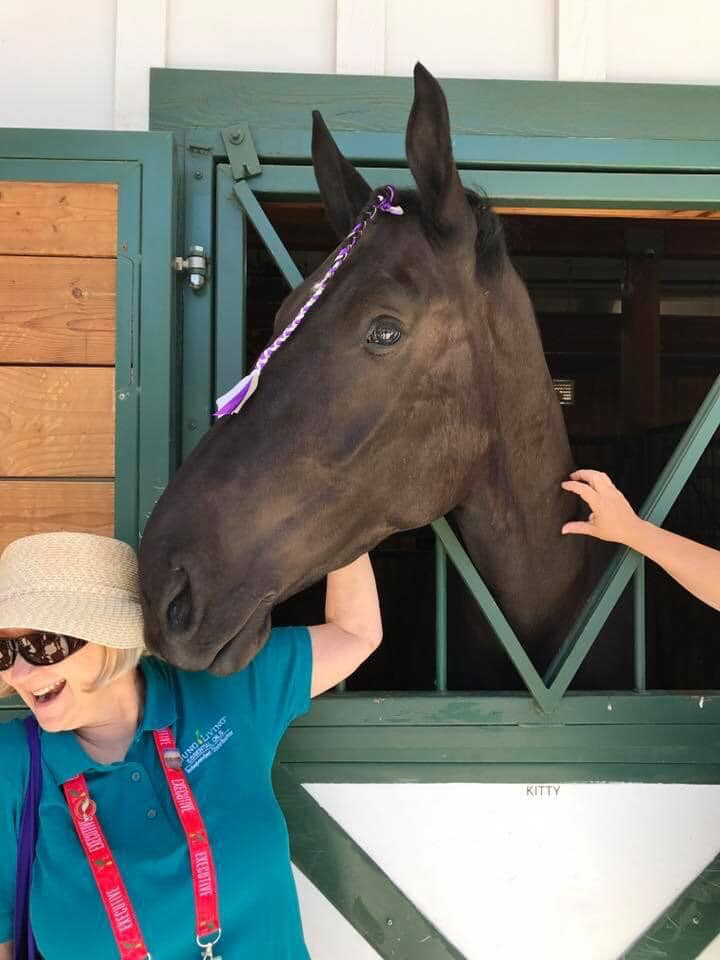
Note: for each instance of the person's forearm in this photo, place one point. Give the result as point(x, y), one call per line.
point(695, 566)
point(351, 600)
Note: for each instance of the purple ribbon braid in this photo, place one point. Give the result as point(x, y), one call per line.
point(237, 396)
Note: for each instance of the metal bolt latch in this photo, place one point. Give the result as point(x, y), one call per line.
point(195, 264)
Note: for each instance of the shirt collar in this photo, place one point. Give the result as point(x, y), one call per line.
point(62, 751)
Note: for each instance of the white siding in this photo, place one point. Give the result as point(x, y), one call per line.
point(455, 38)
point(84, 63)
point(663, 40)
point(277, 35)
point(569, 872)
point(57, 62)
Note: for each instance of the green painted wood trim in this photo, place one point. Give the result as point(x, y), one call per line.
point(197, 306)
point(377, 106)
point(230, 284)
point(634, 744)
point(440, 616)
point(530, 188)
point(127, 399)
point(483, 152)
point(640, 626)
point(390, 710)
point(688, 925)
point(353, 883)
point(393, 709)
point(521, 773)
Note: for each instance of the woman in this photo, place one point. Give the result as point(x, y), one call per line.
point(694, 566)
point(134, 746)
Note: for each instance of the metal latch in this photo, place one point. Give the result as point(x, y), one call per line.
point(241, 152)
point(195, 264)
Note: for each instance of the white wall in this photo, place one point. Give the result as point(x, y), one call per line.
point(569, 872)
point(84, 63)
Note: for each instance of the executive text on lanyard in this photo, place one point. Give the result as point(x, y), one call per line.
point(114, 895)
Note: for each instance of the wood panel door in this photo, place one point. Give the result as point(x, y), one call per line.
point(76, 215)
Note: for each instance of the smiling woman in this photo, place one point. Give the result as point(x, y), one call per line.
point(119, 730)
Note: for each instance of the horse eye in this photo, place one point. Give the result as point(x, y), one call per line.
point(384, 333)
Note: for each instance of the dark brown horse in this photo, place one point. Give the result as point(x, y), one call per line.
point(416, 387)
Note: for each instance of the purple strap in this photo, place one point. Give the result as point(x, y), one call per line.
point(23, 940)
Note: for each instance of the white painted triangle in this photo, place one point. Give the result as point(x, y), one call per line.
point(712, 951)
point(570, 872)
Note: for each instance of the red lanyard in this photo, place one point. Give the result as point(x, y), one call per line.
point(113, 893)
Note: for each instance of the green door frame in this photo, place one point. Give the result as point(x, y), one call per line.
point(142, 166)
point(553, 145)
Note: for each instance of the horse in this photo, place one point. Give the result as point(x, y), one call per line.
point(416, 388)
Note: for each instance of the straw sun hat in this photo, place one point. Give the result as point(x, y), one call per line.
point(78, 584)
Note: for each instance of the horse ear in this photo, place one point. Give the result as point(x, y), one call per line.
point(430, 158)
point(344, 192)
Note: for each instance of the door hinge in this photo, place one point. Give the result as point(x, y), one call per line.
point(195, 265)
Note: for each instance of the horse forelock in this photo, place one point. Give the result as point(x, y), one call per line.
point(490, 247)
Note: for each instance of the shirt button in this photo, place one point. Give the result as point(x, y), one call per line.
point(151, 813)
point(135, 776)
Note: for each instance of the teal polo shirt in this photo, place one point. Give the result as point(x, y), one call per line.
point(228, 730)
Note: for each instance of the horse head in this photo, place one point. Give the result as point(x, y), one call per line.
point(378, 415)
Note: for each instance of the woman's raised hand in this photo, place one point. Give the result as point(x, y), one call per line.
point(611, 517)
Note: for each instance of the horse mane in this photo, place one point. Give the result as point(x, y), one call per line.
point(490, 244)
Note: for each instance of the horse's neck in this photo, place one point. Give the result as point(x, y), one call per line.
point(511, 522)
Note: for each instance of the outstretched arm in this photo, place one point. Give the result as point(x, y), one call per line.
point(353, 628)
point(694, 566)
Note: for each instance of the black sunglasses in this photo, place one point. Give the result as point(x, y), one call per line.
point(38, 648)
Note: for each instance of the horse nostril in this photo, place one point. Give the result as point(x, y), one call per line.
point(179, 609)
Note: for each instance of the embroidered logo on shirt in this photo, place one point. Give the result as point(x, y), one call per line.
point(206, 744)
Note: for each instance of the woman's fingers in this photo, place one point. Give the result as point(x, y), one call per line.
point(587, 493)
point(596, 478)
point(578, 526)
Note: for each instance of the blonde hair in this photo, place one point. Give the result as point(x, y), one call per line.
point(115, 663)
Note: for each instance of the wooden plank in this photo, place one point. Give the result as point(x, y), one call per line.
point(57, 310)
point(57, 422)
point(42, 506)
point(58, 219)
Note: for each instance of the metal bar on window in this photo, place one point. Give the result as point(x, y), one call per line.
point(268, 234)
point(639, 626)
point(496, 618)
point(440, 616)
point(230, 286)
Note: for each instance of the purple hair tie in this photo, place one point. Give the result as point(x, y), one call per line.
point(237, 396)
